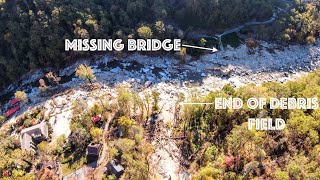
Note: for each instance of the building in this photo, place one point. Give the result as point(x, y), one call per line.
point(96, 119)
point(114, 168)
point(11, 111)
point(93, 152)
point(32, 136)
point(14, 101)
point(14, 107)
point(93, 149)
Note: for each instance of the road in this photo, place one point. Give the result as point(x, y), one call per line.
point(275, 13)
point(103, 160)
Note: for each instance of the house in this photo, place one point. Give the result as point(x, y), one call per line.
point(93, 150)
point(114, 168)
point(11, 111)
point(32, 136)
point(96, 119)
point(14, 101)
point(14, 105)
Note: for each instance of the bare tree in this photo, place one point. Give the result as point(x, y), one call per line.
point(251, 44)
point(53, 79)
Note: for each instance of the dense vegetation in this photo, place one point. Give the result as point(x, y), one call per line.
point(220, 146)
point(303, 24)
point(297, 21)
point(32, 33)
point(15, 161)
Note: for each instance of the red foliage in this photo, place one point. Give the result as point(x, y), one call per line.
point(6, 173)
point(229, 160)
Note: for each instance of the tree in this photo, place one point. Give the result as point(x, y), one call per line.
point(124, 101)
point(125, 123)
point(18, 173)
point(136, 170)
point(286, 37)
point(303, 22)
point(60, 144)
point(136, 132)
point(43, 87)
point(45, 151)
point(138, 107)
point(22, 96)
point(310, 39)
point(79, 138)
point(2, 119)
point(183, 53)
point(96, 134)
point(281, 175)
point(251, 44)
point(86, 73)
point(22, 159)
point(125, 145)
point(54, 80)
point(209, 173)
point(160, 27)
point(155, 98)
point(228, 89)
point(246, 145)
point(96, 110)
point(202, 42)
point(303, 129)
point(145, 32)
point(112, 177)
point(43, 147)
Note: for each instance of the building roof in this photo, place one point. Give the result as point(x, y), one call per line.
point(29, 135)
point(93, 149)
point(14, 101)
point(114, 168)
point(11, 111)
point(96, 118)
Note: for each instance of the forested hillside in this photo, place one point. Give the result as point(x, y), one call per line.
point(303, 23)
point(220, 145)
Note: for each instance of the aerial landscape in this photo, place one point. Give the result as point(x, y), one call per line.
point(77, 114)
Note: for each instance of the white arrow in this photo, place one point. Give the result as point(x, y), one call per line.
point(197, 47)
